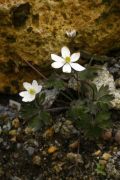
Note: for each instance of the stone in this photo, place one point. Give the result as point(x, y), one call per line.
point(106, 79)
point(106, 156)
point(117, 83)
point(30, 30)
point(13, 132)
point(75, 158)
point(16, 123)
point(30, 150)
point(36, 160)
point(52, 149)
point(48, 133)
point(102, 162)
point(0, 130)
point(28, 130)
point(111, 170)
point(66, 129)
point(107, 135)
point(58, 167)
point(75, 144)
point(117, 136)
point(97, 153)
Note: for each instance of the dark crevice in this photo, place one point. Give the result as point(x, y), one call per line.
point(20, 14)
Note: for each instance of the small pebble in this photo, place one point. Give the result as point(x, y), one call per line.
point(28, 130)
point(117, 137)
point(97, 153)
point(48, 133)
point(52, 149)
point(36, 160)
point(0, 130)
point(74, 145)
point(18, 145)
point(106, 156)
point(102, 162)
point(30, 150)
point(107, 135)
point(13, 139)
point(16, 123)
point(13, 132)
point(75, 157)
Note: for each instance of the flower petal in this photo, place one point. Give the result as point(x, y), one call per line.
point(67, 68)
point(77, 67)
point(23, 93)
point(36, 86)
point(28, 98)
point(34, 83)
point(27, 85)
point(57, 65)
point(56, 58)
point(38, 89)
point(75, 57)
point(65, 52)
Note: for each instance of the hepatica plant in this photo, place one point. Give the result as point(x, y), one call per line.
point(85, 105)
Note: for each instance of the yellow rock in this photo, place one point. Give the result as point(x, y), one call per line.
point(106, 156)
point(28, 130)
point(48, 133)
point(97, 153)
point(31, 30)
point(74, 145)
point(52, 149)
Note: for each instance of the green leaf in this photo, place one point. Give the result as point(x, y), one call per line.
point(103, 90)
point(28, 110)
point(42, 97)
point(103, 120)
point(88, 73)
point(46, 118)
point(55, 82)
point(40, 120)
point(36, 122)
point(100, 169)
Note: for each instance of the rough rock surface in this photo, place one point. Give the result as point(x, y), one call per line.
point(105, 78)
point(33, 29)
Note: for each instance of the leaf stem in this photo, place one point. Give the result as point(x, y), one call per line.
point(65, 95)
point(29, 64)
point(57, 109)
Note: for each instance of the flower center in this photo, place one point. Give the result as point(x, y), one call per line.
point(67, 59)
point(32, 91)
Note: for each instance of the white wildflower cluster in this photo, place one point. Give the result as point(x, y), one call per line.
point(67, 62)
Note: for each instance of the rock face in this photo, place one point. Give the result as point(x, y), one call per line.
point(30, 30)
point(106, 79)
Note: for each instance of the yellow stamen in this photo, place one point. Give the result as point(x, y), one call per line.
point(32, 91)
point(67, 59)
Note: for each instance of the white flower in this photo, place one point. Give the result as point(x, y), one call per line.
point(31, 91)
point(67, 61)
point(71, 34)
